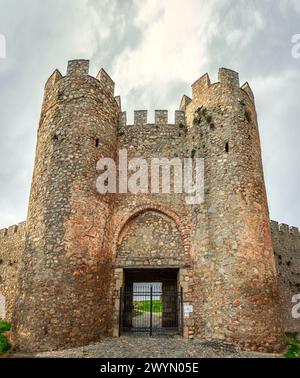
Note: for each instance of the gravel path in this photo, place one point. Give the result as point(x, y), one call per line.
point(155, 347)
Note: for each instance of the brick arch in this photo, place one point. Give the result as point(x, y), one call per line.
point(172, 215)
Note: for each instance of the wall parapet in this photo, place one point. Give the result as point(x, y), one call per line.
point(80, 68)
point(284, 228)
point(227, 78)
point(161, 118)
point(185, 101)
point(15, 230)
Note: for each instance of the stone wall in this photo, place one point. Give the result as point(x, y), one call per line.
point(286, 242)
point(232, 276)
point(170, 221)
point(11, 246)
point(150, 239)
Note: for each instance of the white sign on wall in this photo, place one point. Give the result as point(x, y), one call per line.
point(296, 308)
point(188, 309)
point(2, 307)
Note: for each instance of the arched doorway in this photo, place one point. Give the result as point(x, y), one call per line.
point(150, 254)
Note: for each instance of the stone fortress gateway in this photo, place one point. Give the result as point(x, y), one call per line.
point(61, 272)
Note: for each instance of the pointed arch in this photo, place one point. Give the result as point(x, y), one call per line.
point(183, 230)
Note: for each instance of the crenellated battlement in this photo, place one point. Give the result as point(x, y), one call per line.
point(185, 101)
point(200, 85)
point(161, 118)
point(227, 78)
point(246, 88)
point(106, 82)
point(80, 68)
point(284, 228)
point(53, 79)
point(15, 230)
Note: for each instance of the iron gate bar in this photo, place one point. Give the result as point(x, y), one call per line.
point(151, 311)
point(181, 310)
point(121, 310)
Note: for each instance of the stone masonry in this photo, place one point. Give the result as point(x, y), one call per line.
point(11, 246)
point(286, 241)
point(78, 243)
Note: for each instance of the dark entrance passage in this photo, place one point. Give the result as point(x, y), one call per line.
point(151, 302)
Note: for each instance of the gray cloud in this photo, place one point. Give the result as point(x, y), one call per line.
point(154, 50)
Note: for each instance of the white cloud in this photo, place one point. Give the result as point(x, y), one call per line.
point(249, 25)
point(153, 50)
point(280, 135)
point(286, 5)
point(174, 48)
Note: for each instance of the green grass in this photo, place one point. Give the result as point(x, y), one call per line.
point(294, 346)
point(144, 306)
point(4, 326)
point(4, 343)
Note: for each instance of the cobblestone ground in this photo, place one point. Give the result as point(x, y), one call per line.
point(155, 347)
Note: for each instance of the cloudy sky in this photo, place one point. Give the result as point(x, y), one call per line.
point(154, 50)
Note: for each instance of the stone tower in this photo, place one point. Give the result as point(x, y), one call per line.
point(65, 271)
point(235, 270)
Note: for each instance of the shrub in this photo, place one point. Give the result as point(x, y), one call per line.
point(197, 120)
point(209, 119)
point(294, 346)
point(200, 114)
point(4, 343)
point(182, 127)
point(4, 326)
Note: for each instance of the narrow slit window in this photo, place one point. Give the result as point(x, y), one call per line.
point(97, 142)
point(227, 147)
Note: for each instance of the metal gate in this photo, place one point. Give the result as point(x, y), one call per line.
point(151, 311)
